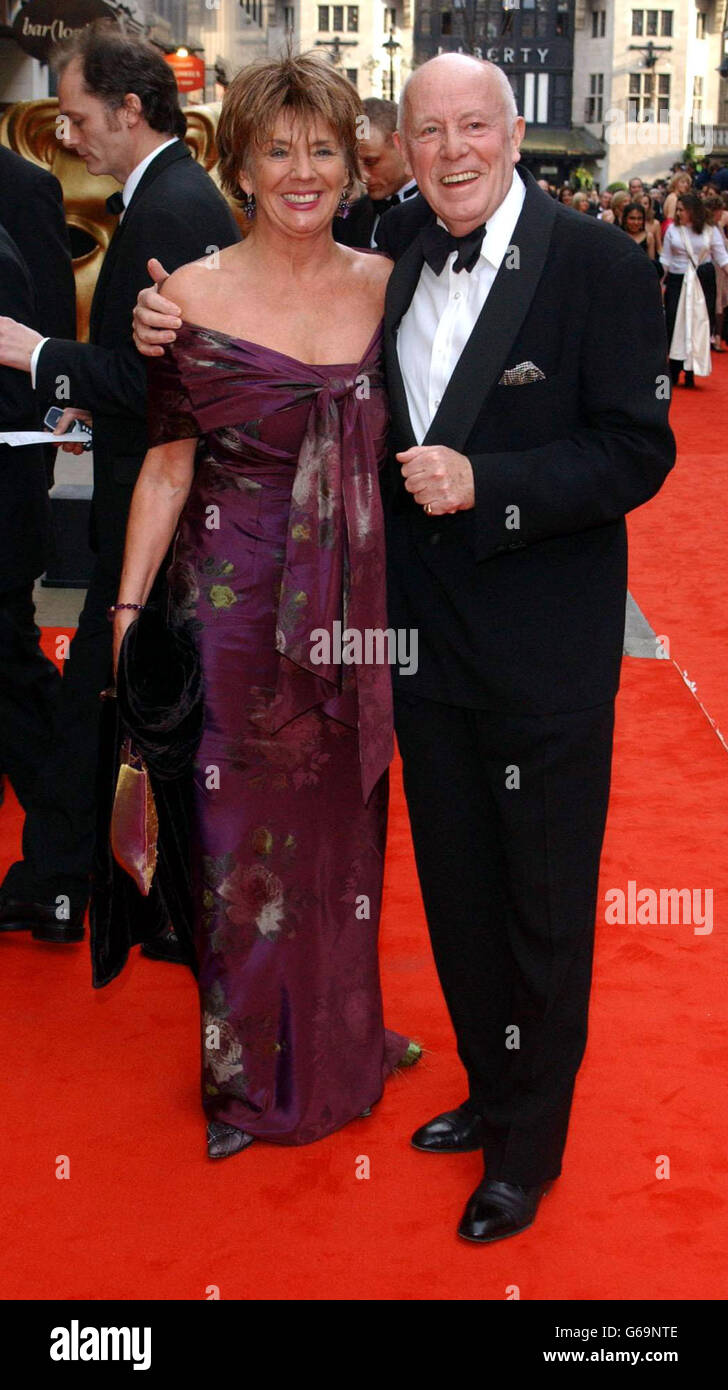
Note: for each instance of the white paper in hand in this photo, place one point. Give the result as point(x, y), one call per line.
point(15, 438)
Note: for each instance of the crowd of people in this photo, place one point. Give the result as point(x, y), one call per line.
point(237, 472)
point(654, 216)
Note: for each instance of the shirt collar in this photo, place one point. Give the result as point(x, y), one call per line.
point(137, 173)
point(502, 223)
point(406, 189)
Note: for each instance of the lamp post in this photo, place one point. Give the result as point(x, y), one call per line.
point(390, 47)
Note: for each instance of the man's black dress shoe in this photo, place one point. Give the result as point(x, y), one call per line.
point(500, 1209)
point(14, 916)
point(166, 947)
point(41, 919)
point(49, 927)
point(454, 1132)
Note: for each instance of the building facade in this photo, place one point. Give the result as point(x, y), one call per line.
point(647, 82)
point(370, 42)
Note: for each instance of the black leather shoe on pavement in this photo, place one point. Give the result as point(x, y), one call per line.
point(500, 1209)
point(166, 947)
point(454, 1132)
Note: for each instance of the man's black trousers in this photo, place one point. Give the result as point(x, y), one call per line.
point(60, 822)
point(29, 686)
point(507, 816)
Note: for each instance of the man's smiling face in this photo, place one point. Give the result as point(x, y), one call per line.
point(457, 140)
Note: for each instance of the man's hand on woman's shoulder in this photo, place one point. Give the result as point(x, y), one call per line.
point(156, 317)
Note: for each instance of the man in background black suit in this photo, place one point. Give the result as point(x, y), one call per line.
point(32, 214)
point(31, 211)
point(386, 173)
point(121, 102)
point(526, 369)
point(28, 681)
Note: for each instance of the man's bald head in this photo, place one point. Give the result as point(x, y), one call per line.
point(461, 134)
point(450, 64)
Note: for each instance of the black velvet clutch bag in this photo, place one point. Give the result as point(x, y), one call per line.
point(159, 694)
point(159, 708)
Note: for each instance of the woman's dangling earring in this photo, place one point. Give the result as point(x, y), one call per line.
point(249, 205)
point(343, 208)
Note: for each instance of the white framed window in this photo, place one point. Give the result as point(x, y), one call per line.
point(595, 100)
point(652, 23)
point(542, 99)
point(529, 97)
point(649, 96)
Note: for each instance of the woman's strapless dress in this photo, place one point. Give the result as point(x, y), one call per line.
point(281, 537)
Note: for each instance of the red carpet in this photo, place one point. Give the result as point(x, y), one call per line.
point(109, 1079)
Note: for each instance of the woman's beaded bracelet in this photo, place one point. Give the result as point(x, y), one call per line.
point(117, 607)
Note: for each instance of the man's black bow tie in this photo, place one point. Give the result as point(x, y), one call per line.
point(381, 205)
point(437, 244)
point(115, 204)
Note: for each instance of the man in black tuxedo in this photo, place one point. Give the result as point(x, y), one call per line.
point(121, 103)
point(526, 360)
point(389, 180)
point(28, 681)
point(31, 211)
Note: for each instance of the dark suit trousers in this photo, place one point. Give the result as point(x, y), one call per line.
point(58, 835)
point(29, 684)
point(507, 816)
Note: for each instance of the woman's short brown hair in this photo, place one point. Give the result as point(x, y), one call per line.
point(306, 85)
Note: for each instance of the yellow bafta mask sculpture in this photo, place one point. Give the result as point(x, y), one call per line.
point(32, 129)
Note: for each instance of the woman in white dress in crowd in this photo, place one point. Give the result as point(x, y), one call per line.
point(692, 252)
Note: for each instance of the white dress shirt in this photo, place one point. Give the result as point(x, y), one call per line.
point(674, 256)
point(127, 193)
point(444, 310)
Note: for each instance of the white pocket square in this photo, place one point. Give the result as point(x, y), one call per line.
point(521, 374)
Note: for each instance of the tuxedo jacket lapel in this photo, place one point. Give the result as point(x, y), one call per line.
point(160, 162)
point(482, 359)
point(402, 285)
point(487, 348)
point(97, 303)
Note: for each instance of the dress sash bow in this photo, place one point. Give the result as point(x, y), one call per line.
point(333, 580)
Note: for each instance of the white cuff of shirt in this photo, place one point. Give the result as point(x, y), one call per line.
point(34, 360)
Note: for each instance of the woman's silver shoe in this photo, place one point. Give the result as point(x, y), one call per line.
point(224, 1140)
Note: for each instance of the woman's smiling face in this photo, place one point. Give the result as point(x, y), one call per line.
point(297, 176)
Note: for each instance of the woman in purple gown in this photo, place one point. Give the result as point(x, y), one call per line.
point(264, 468)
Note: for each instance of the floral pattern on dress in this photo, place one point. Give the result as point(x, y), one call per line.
point(282, 532)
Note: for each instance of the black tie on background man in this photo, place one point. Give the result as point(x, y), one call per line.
point(122, 105)
point(526, 358)
point(386, 174)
